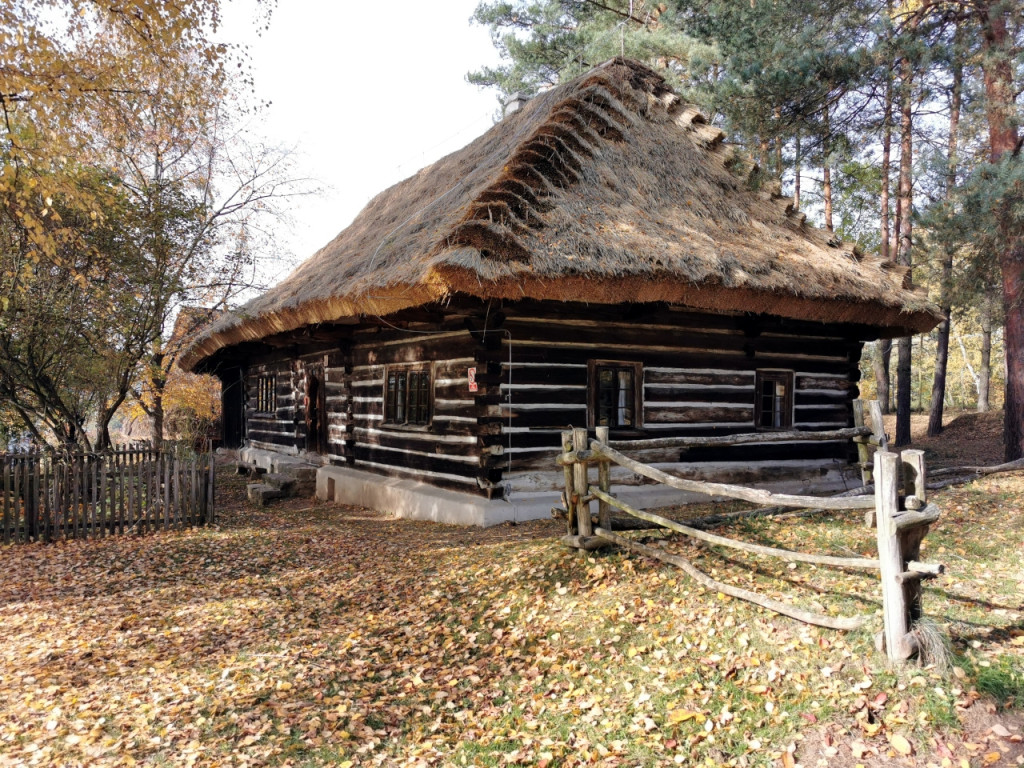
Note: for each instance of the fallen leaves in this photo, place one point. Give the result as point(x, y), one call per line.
point(329, 636)
point(900, 744)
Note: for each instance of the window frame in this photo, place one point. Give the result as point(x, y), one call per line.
point(424, 373)
point(777, 375)
point(593, 389)
point(266, 393)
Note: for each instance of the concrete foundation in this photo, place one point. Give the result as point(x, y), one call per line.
point(420, 501)
point(277, 463)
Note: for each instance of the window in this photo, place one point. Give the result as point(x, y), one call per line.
point(407, 396)
point(615, 394)
point(773, 407)
point(266, 394)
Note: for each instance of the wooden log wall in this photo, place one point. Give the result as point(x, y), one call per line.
point(457, 449)
point(699, 374)
point(277, 430)
point(531, 362)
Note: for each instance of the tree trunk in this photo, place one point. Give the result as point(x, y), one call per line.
point(885, 345)
point(883, 375)
point(796, 173)
point(886, 168)
point(777, 145)
point(826, 172)
point(945, 303)
point(157, 419)
point(1001, 114)
point(985, 369)
point(157, 384)
point(880, 366)
point(103, 441)
point(906, 202)
point(939, 380)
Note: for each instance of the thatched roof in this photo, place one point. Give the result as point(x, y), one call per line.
point(605, 189)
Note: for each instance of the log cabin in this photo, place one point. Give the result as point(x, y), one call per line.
point(598, 257)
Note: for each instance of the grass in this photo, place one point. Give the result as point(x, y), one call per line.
point(306, 634)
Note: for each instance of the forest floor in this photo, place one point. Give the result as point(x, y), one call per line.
point(312, 634)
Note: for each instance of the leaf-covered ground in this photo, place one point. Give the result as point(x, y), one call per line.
point(308, 634)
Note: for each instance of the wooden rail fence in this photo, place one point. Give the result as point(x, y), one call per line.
point(899, 505)
point(53, 496)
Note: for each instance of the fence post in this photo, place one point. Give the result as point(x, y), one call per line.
point(889, 556)
point(32, 501)
point(863, 452)
point(878, 433)
point(49, 534)
point(910, 537)
point(604, 510)
point(570, 502)
point(213, 489)
point(878, 425)
point(914, 479)
point(581, 482)
point(7, 500)
point(899, 543)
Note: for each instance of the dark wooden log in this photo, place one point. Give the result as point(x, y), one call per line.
point(698, 414)
point(656, 396)
point(732, 491)
point(713, 380)
point(587, 543)
point(740, 439)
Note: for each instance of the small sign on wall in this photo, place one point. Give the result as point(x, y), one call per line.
point(471, 375)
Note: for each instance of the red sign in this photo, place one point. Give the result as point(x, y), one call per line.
point(471, 373)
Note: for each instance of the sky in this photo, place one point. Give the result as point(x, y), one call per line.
point(366, 93)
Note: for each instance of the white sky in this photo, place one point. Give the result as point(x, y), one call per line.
point(367, 93)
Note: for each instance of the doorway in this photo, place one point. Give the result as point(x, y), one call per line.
point(317, 421)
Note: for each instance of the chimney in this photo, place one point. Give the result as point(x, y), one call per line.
point(513, 103)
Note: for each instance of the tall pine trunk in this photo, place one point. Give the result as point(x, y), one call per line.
point(942, 337)
point(985, 369)
point(1001, 114)
point(882, 377)
point(906, 201)
point(796, 172)
point(777, 145)
point(826, 170)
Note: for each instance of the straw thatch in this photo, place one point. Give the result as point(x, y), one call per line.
point(605, 189)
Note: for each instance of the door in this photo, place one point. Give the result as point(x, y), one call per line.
point(232, 407)
point(316, 410)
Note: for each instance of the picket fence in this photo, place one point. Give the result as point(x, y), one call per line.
point(50, 496)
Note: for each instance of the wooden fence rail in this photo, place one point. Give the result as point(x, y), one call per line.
point(902, 522)
point(54, 496)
